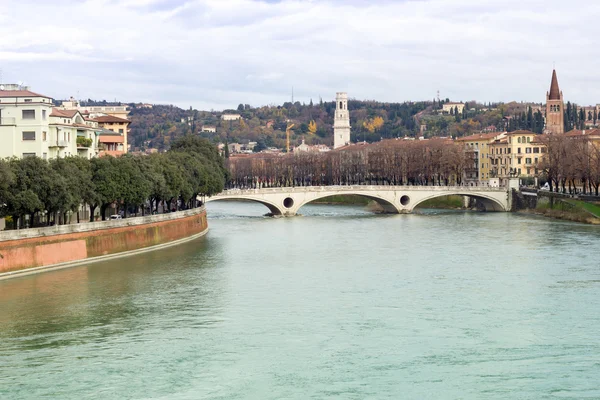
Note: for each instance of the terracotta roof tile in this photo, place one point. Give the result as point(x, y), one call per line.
point(111, 118)
point(20, 93)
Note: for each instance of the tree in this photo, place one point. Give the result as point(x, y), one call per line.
point(7, 178)
point(312, 127)
point(240, 107)
point(108, 181)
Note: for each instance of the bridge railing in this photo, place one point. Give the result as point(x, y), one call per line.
point(357, 188)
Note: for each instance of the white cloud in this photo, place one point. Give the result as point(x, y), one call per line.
point(219, 53)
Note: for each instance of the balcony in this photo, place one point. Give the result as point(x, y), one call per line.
point(8, 121)
point(59, 143)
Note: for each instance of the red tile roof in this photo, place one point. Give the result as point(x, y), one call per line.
point(479, 136)
point(20, 93)
point(63, 113)
point(521, 132)
point(111, 118)
point(585, 132)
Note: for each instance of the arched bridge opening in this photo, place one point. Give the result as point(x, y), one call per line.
point(273, 209)
point(381, 205)
point(483, 202)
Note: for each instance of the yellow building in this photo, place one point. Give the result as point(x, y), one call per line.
point(517, 154)
point(477, 148)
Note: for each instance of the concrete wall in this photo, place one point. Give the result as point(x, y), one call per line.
point(29, 248)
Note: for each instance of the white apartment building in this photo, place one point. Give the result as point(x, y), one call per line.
point(29, 126)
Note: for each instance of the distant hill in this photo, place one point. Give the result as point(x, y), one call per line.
point(371, 121)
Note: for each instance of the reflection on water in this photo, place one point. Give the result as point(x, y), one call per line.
point(336, 303)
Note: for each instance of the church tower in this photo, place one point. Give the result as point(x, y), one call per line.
point(555, 108)
point(341, 121)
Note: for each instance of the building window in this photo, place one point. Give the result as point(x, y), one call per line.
point(509, 149)
point(528, 150)
point(518, 160)
point(536, 149)
point(528, 161)
point(519, 140)
point(535, 160)
point(25, 155)
point(519, 150)
point(528, 171)
point(28, 100)
point(44, 156)
point(528, 140)
point(120, 130)
point(29, 135)
point(28, 114)
point(519, 172)
point(44, 114)
point(44, 136)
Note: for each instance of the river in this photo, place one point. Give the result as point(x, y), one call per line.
point(338, 303)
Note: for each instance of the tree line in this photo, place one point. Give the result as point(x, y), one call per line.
point(388, 162)
point(572, 163)
point(52, 189)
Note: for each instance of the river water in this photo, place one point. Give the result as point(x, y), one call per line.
point(338, 303)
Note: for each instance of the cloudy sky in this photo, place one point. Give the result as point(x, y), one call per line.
point(219, 53)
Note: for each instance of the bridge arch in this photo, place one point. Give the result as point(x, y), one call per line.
point(386, 205)
point(273, 208)
point(489, 202)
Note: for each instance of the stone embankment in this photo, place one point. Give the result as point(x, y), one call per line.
point(32, 250)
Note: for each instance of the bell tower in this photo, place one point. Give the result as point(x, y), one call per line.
point(555, 120)
point(341, 121)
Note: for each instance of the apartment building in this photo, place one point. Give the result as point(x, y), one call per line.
point(117, 125)
point(516, 155)
point(477, 150)
point(113, 118)
point(72, 134)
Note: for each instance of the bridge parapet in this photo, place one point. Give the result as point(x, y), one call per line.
point(354, 188)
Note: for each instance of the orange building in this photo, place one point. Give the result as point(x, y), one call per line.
point(116, 125)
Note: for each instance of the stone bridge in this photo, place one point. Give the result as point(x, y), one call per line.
point(392, 199)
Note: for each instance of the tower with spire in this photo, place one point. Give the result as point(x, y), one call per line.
point(555, 120)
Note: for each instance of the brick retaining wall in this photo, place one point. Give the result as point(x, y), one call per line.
point(30, 248)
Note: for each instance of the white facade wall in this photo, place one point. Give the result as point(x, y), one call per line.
point(24, 114)
point(27, 128)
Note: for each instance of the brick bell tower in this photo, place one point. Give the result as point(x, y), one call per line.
point(555, 120)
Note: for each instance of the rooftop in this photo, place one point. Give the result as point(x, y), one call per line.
point(111, 118)
point(20, 93)
point(480, 136)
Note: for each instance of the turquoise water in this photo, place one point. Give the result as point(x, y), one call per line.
point(339, 303)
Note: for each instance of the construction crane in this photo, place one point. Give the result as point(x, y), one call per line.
point(287, 134)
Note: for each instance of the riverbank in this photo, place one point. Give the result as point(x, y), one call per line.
point(66, 245)
point(568, 210)
point(444, 202)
